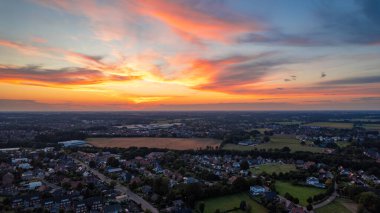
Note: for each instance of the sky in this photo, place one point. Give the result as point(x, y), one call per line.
point(93, 55)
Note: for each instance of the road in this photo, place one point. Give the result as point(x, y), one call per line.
point(144, 204)
point(328, 200)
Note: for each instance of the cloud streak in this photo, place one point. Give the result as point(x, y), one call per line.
point(36, 75)
point(354, 80)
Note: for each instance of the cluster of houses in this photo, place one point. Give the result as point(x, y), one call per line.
point(358, 178)
point(49, 179)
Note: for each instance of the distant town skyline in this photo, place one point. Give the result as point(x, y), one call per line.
point(169, 55)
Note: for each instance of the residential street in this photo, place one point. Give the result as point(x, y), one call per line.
point(144, 204)
point(328, 200)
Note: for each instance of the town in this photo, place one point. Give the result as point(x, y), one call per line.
point(276, 162)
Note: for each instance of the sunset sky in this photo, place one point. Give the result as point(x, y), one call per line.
point(189, 55)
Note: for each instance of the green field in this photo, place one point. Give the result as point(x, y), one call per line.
point(337, 125)
point(343, 144)
point(270, 168)
point(288, 122)
point(231, 201)
point(301, 192)
point(333, 207)
point(277, 142)
point(372, 126)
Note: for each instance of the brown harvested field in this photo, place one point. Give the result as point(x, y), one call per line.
point(164, 143)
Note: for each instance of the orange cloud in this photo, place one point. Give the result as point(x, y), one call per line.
point(35, 75)
point(115, 21)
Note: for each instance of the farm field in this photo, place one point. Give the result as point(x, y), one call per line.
point(371, 126)
point(333, 207)
point(301, 192)
point(270, 168)
point(231, 201)
point(277, 142)
point(164, 143)
point(343, 144)
point(337, 125)
point(289, 122)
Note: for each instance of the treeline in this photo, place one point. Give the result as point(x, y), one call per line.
point(368, 201)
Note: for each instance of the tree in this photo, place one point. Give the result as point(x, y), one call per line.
point(240, 184)
point(244, 165)
point(243, 205)
point(285, 149)
point(248, 209)
point(92, 164)
point(113, 184)
point(202, 207)
point(296, 200)
point(112, 161)
point(266, 139)
point(309, 207)
point(310, 200)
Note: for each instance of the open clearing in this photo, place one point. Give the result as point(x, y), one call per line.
point(231, 201)
point(372, 126)
point(278, 142)
point(331, 125)
point(300, 192)
point(270, 168)
point(333, 207)
point(163, 143)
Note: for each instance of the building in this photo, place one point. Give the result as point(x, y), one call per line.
point(313, 181)
point(256, 190)
point(72, 143)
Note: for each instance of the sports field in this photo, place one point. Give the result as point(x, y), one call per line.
point(228, 202)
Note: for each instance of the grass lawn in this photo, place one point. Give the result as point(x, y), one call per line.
point(277, 142)
point(343, 144)
point(289, 122)
point(372, 126)
point(337, 125)
point(301, 192)
point(270, 168)
point(230, 201)
point(262, 130)
point(333, 207)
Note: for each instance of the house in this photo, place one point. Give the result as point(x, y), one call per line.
point(24, 166)
point(115, 208)
point(256, 190)
point(146, 189)
point(111, 170)
point(299, 164)
point(27, 175)
point(17, 202)
point(80, 207)
point(190, 180)
point(33, 185)
point(313, 181)
point(95, 203)
point(297, 210)
point(270, 196)
point(8, 179)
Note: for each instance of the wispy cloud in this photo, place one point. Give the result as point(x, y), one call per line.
point(191, 20)
point(354, 80)
point(57, 77)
